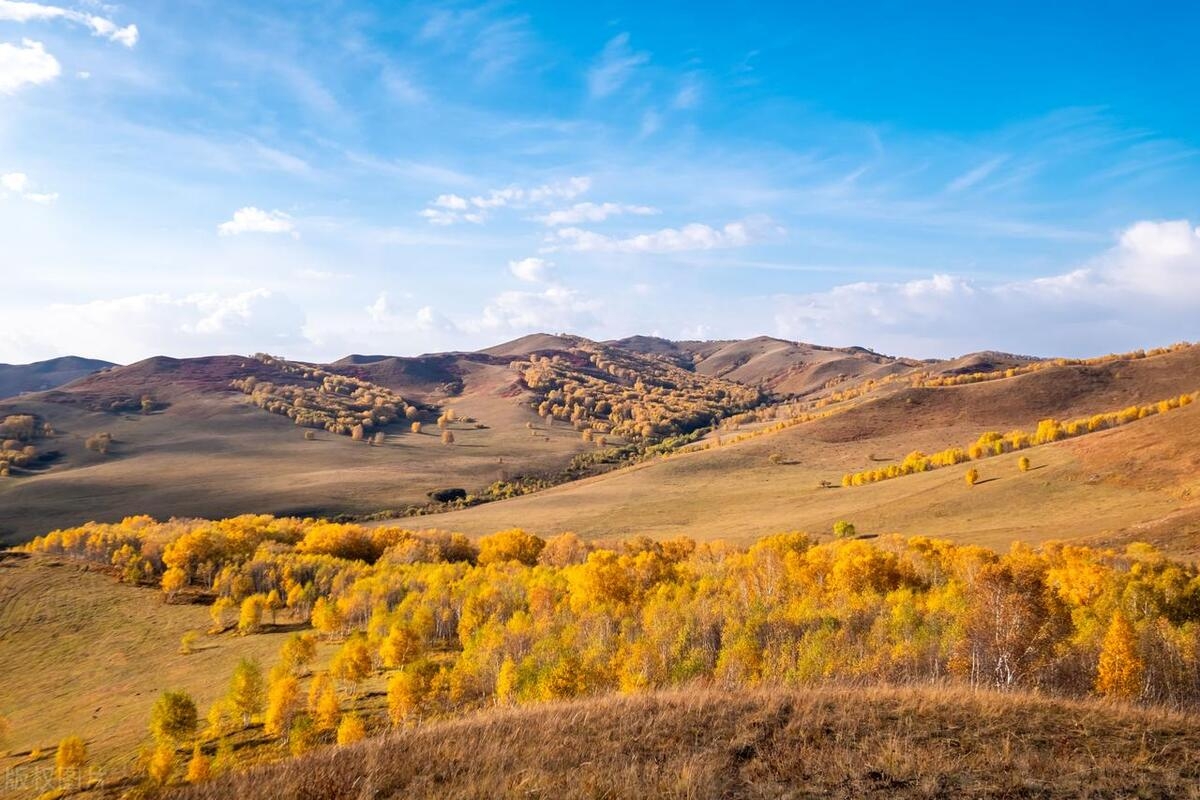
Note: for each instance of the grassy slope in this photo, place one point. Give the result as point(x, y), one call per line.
point(1124, 478)
point(841, 743)
point(85, 655)
point(214, 455)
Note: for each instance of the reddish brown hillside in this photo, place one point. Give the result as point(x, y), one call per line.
point(1061, 392)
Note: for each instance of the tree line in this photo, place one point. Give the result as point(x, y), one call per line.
point(994, 443)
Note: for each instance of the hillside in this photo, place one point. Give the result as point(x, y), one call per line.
point(839, 743)
point(1125, 478)
point(42, 375)
point(223, 435)
point(202, 447)
point(783, 367)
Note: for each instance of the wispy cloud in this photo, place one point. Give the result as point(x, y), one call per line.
point(447, 209)
point(695, 236)
point(976, 174)
point(592, 212)
point(100, 26)
point(615, 66)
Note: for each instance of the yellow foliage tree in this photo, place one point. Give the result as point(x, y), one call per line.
point(161, 764)
point(283, 701)
point(71, 756)
point(353, 663)
point(405, 693)
point(1023, 464)
point(350, 730)
point(510, 545)
point(199, 767)
point(506, 682)
point(1121, 668)
point(972, 476)
point(323, 702)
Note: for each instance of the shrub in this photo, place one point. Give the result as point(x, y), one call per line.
point(173, 718)
point(99, 442)
point(71, 755)
point(1023, 464)
point(843, 530)
point(972, 476)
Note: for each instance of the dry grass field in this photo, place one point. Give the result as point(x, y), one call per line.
point(697, 744)
point(83, 654)
point(1111, 483)
point(213, 453)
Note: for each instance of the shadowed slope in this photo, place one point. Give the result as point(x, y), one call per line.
point(42, 375)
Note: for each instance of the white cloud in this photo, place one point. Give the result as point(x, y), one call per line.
point(556, 308)
point(26, 64)
point(100, 26)
point(384, 318)
point(615, 66)
point(447, 209)
point(592, 212)
point(1144, 290)
point(255, 220)
point(19, 184)
point(695, 236)
point(451, 201)
point(532, 270)
point(14, 182)
point(129, 328)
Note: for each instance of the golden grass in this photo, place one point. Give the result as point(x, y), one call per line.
point(1107, 483)
point(829, 742)
point(83, 655)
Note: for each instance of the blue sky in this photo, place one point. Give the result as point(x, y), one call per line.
point(313, 179)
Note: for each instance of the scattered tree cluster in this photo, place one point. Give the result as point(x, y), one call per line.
point(994, 443)
point(638, 398)
point(20, 435)
point(321, 399)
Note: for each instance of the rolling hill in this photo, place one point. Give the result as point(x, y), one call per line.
point(1125, 478)
point(39, 376)
point(185, 441)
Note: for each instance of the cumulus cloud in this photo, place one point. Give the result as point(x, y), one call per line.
point(447, 209)
point(695, 236)
point(531, 270)
point(18, 183)
point(1144, 290)
point(555, 308)
point(26, 64)
point(129, 328)
point(592, 212)
point(100, 26)
point(615, 66)
point(255, 220)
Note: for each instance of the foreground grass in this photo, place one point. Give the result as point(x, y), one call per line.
point(830, 742)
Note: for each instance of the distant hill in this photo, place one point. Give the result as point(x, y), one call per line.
point(526, 409)
point(42, 375)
